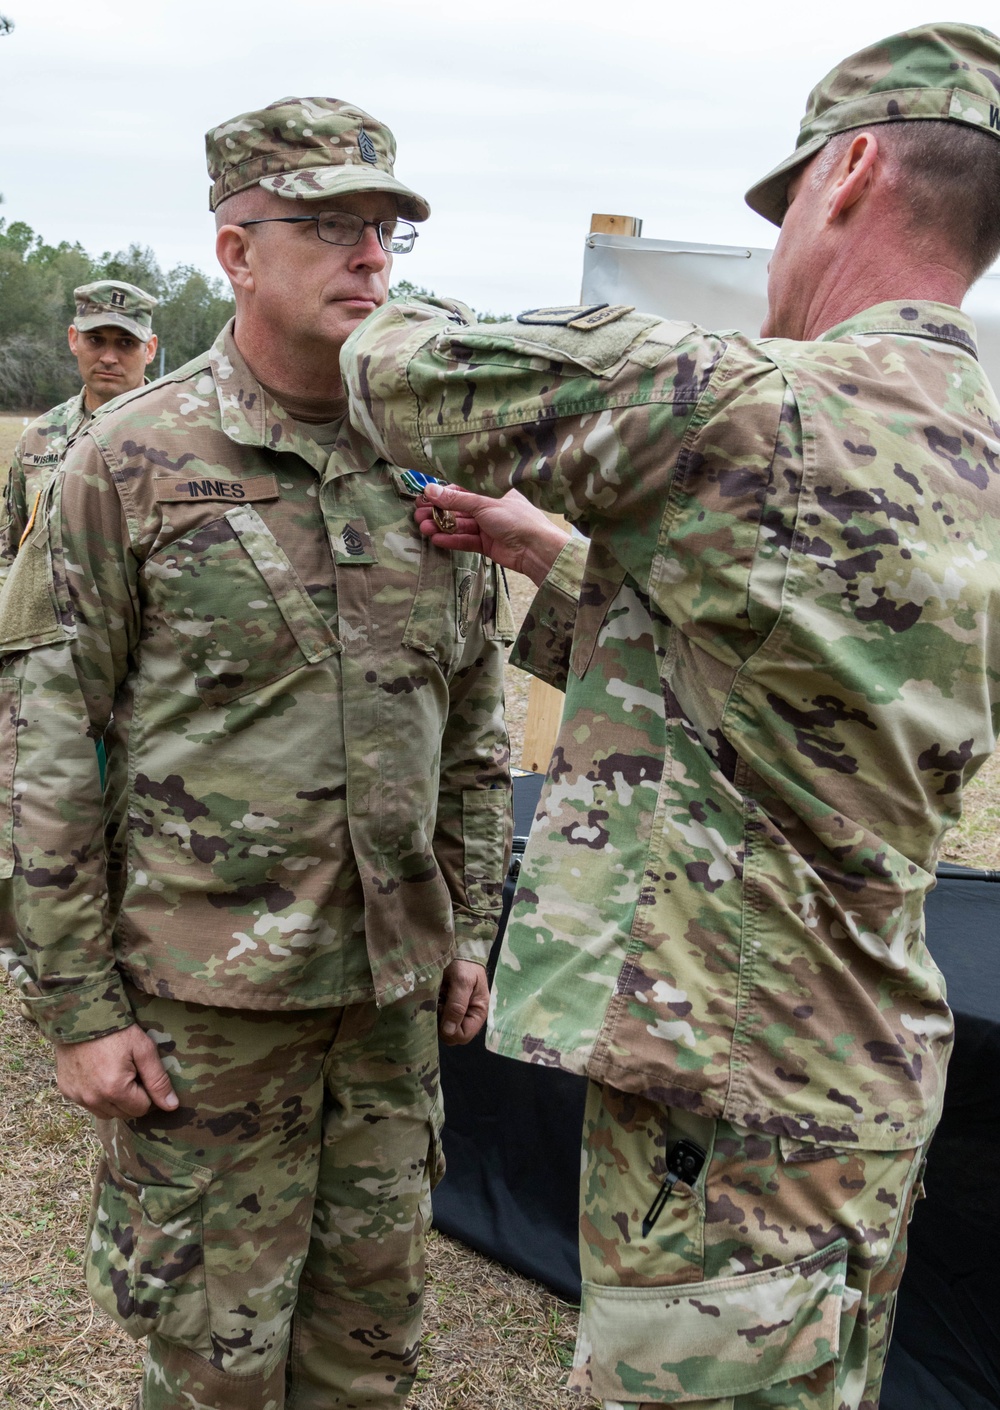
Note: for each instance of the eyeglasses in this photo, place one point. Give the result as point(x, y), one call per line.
point(341, 228)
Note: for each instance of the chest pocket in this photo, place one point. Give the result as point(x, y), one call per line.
point(447, 604)
point(237, 609)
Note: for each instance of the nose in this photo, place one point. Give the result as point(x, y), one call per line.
point(368, 253)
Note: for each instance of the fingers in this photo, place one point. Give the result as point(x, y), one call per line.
point(152, 1073)
point(451, 497)
point(465, 1002)
point(465, 537)
point(431, 516)
point(118, 1075)
point(107, 1092)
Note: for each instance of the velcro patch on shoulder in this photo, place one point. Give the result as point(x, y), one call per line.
point(598, 348)
point(170, 490)
point(571, 315)
point(597, 318)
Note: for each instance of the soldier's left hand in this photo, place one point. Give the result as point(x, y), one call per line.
point(465, 999)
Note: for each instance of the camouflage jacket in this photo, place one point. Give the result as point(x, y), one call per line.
point(36, 455)
point(785, 665)
point(308, 778)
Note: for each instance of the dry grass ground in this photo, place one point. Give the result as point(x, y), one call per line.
point(10, 428)
point(493, 1339)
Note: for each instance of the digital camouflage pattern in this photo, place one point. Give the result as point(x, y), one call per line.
point(113, 303)
point(769, 1282)
point(307, 149)
point(305, 698)
point(785, 667)
point(945, 72)
point(274, 1224)
point(36, 455)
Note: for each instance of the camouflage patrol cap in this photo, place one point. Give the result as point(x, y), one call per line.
point(307, 148)
point(947, 72)
point(112, 301)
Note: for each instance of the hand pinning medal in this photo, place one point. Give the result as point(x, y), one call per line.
point(415, 482)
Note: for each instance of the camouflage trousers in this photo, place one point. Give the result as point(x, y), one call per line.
point(268, 1236)
point(769, 1282)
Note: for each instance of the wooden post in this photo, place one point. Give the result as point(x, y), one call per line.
point(545, 703)
point(615, 225)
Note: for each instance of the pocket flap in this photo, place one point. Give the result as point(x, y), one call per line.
point(164, 1184)
point(725, 1337)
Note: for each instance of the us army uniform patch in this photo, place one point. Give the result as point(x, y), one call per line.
point(582, 316)
point(169, 490)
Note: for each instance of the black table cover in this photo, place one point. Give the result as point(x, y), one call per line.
point(512, 1142)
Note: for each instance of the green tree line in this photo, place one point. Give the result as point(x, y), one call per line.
point(36, 307)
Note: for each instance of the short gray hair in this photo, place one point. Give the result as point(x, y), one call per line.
point(947, 175)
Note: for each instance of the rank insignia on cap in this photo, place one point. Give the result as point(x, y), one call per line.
point(118, 298)
point(367, 148)
point(582, 316)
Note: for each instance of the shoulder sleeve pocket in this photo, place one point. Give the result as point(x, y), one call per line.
point(598, 351)
point(27, 603)
point(10, 709)
point(486, 828)
point(698, 1342)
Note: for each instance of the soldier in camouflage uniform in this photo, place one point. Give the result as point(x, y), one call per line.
point(241, 969)
point(112, 339)
point(784, 666)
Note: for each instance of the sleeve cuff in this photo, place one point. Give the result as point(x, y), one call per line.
point(543, 645)
point(79, 1012)
point(475, 941)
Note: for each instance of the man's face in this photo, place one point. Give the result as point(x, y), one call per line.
point(791, 270)
point(110, 360)
point(310, 294)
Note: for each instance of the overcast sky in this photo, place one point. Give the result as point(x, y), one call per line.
point(516, 119)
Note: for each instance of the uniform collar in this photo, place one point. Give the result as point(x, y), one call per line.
point(250, 416)
point(916, 319)
point(79, 415)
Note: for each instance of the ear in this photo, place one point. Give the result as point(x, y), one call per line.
point(852, 177)
point(151, 346)
point(72, 337)
point(232, 249)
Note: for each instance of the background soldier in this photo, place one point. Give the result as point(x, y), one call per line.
point(309, 701)
point(113, 342)
point(784, 667)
